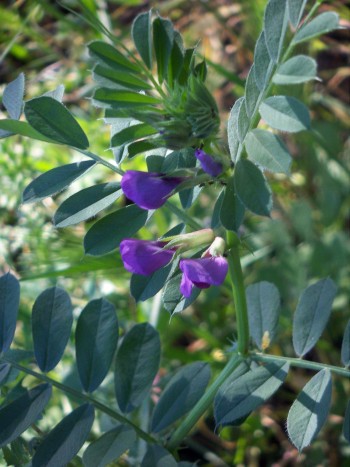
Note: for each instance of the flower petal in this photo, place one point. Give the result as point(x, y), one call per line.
point(144, 257)
point(208, 164)
point(186, 286)
point(204, 272)
point(149, 190)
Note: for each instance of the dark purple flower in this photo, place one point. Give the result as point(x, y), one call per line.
point(202, 272)
point(208, 164)
point(149, 190)
point(144, 257)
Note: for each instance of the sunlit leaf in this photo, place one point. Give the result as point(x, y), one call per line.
point(323, 23)
point(285, 113)
point(275, 26)
point(12, 97)
point(298, 69)
point(310, 410)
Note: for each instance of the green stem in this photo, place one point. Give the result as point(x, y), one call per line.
point(300, 363)
point(101, 161)
point(183, 216)
point(202, 405)
point(85, 397)
point(238, 290)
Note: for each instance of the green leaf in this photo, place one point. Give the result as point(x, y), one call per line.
point(52, 119)
point(346, 425)
point(19, 414)
point(298, 69)
point(137, 364)
point(55, 180)
point(242, 121)
point(52, 320)
point(312, 314)
point(263, 302)
point(96, 339)
point(252, 92)
point(323, 23)
point(16, 127)
point(232, 210)
point(310, 410)
point(275, 26)
point(56, 93)
point(173, 300)
point(107, 54)
point(141, 32)
point(65, 440)
point(244, 394)
point(132, 133)
point(181, 394)
point(12, 98)
point(121, 78)
point(177, 59)
point(157, 456)
point(86, 204)
point(115, 98)
point(252, 188)
point(144, 287)
point(109, 447)
point(285, 113)
point(106, 234)
point(268, 151)
point(163, 39)
point(9, 303)
point(262, 63)
point(296, 9)
point(232, 128)
point(345, 348)
point(5, 369)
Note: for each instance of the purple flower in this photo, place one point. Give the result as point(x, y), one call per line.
point(144, 257)
point(202, 272)
point(149, 190)
point(208, 164)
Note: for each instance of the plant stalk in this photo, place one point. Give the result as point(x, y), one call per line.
point(203, 404)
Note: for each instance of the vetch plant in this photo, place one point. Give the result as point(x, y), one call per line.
point(160, 110)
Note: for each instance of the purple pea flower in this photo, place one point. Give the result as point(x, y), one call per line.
point(202, 272)
point(144, 257)
point(208, 164)
point(149, 190)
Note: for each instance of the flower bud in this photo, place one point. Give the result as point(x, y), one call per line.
point(217, 248)
point(191, 240)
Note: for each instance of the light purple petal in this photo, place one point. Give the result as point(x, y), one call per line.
point(204, 272)
point(149, 190)
point(186, 286)
point(144, 257)
point(208, 164)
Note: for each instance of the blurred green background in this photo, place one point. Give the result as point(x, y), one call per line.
point(307, 237)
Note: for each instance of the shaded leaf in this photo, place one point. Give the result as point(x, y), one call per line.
point(12, 98)
point(232, 210)
point(52, 119)
point(298, 69)
point(65, 440)
point(107, 54)
point(285, 113)
point(106, 234)
point(144, 287)
point(268, 151)
point(137, 364)
point(312, 314)
point(109, 447)
point(310, 410)
point(5, 369)
point(163, 39)
point(346, 425)
point(345, 348)
point(181, 394)
point(86, 204)
point(17, 127)
point(141, 32)
point(173, 300)
point(275, 26)
point(252, 188)
point(247, 392)
point(19, 414)
point(177, 58)
point(52, 320)
point(296, 9)
point(157, 456)
point(132, 133)
point(55, 180)
point(9, 303)
point(323, 23)
point(263, 302)
point(96, 339)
